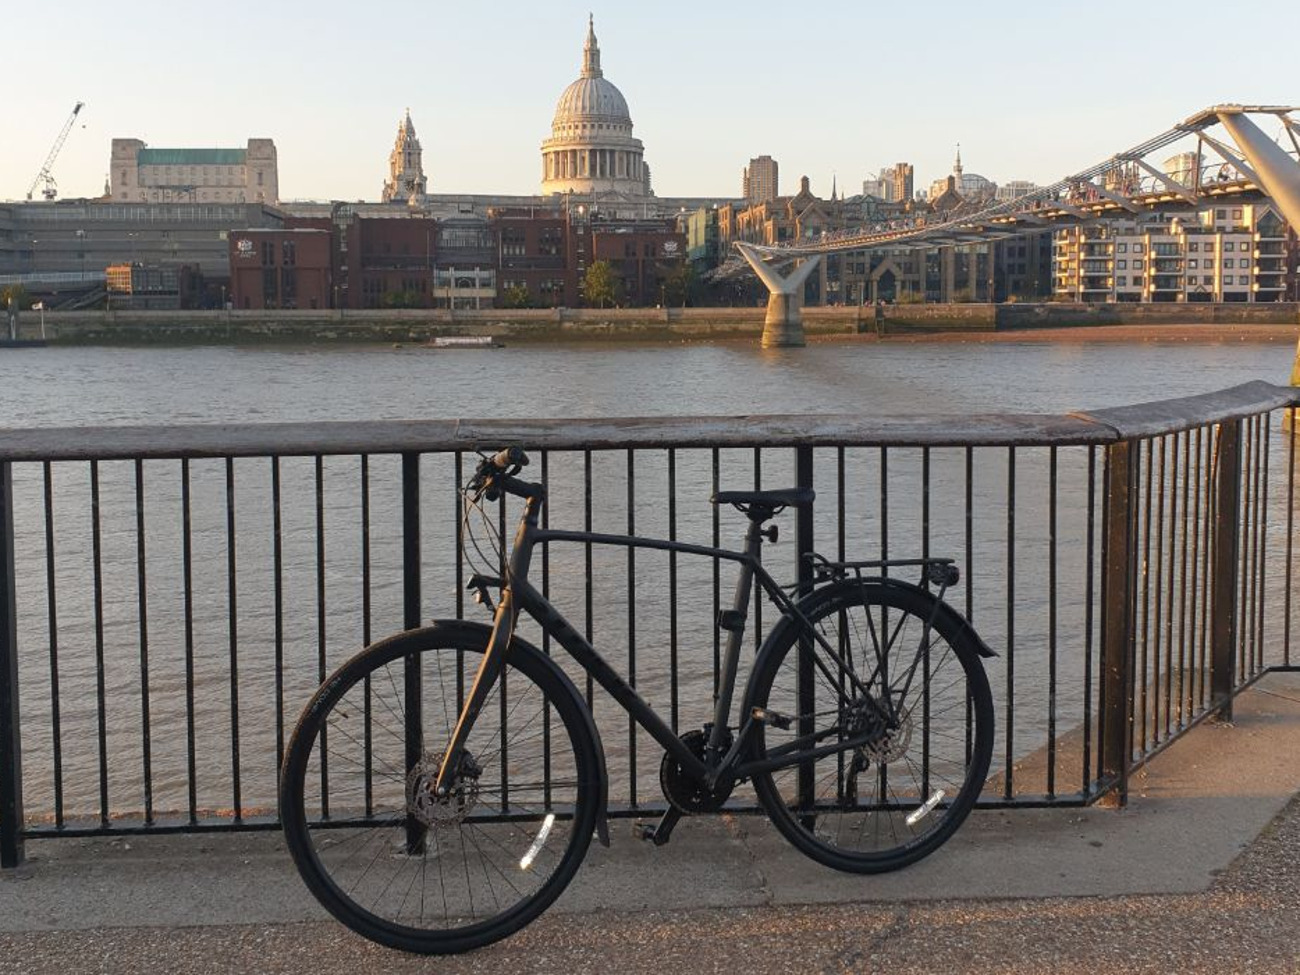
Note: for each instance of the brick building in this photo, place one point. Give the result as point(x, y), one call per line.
point(281, 268)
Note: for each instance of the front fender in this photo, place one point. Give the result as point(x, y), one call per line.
point(520, 645)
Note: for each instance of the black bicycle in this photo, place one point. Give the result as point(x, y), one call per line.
point(441, 788)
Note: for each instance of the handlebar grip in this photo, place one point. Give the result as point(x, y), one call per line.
point(510, 457)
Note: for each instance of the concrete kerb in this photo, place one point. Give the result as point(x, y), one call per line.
point(1193, 809)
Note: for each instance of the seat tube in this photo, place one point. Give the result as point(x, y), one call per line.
point(731, 655)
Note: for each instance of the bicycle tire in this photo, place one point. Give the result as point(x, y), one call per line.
point(923, 776)
point(518, 838)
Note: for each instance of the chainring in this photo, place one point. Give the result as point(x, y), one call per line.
point(687, 794)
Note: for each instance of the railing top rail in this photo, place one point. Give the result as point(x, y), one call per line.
point(419, 436)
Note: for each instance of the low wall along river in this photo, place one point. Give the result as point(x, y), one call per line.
point(638, 324)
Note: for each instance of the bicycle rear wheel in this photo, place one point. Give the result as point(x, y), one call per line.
point(401, 866)
point(890, 735)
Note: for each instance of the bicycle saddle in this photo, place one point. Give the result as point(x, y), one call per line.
point(769, 500)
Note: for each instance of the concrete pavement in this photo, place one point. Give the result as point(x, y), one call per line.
point(1201, 872)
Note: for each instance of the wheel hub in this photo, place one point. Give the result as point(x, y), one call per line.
point(442, 812)
point(887, 744)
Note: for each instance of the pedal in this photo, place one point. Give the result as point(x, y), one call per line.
point(773, 719)
point(662, 831)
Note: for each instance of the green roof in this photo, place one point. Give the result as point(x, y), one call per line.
point(191, 157)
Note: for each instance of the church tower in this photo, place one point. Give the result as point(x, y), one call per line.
point(406, 181)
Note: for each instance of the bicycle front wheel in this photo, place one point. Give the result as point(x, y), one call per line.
point(890, 726)
point(402, 866)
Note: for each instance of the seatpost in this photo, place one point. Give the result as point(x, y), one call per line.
point(733, 621)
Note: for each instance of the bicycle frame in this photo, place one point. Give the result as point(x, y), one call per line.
point(519, 595)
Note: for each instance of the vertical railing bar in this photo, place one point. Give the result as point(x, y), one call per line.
point(1120, 558)
point(503, 681)
point(884, 503)
point(589, 604)
point(56, 731)
point(970, 533)
point(1227, 513)
point(546, 636)
point(1051, 621)
point(459, 516)
point(101, 703)
point(673, 687)
point(277, 566)
point(146, 749)
point(1103, 613)
point(757, 599)
point(925, 507)
point(840, 504)
point(233, 607)
point(367, 702)
point(1008, 786)
point(1171, 558)
point(321, 624)
point(12, 819)
point(1184, 711)
point(1243, 552)
point(187, 571)
point(1196, 632)
point(1160, 599)
point(717, 575)
point(1261, 538)
point(805, 680)
point(412, 685)
point(631, 620)
point(1293, 415)
point(1144, 661)
point(1205, 437)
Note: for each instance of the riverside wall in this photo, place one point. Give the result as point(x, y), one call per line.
point(632, 324)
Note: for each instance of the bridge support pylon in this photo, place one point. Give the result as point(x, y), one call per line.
point(1278, 176)
point(783, 326)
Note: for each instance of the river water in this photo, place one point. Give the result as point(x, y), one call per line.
point(108, 386)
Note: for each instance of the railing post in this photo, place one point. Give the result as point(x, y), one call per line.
point(11, 753)
point(415, 831)
point(806, 679)
point(1117, 646)
point(1223, 580)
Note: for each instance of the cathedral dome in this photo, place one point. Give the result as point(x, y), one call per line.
point(591, 98)
point(591, 149)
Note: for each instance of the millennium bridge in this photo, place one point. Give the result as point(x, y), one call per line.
point(1239, 162)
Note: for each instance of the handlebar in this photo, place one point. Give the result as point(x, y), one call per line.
point(495, 475)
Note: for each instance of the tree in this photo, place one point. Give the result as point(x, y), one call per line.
point(517, 296)
point(678, 284)
point(599, 286)
point(18, 294)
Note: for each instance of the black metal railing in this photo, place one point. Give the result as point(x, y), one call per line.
point(170, 597)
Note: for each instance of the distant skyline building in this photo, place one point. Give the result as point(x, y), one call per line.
point(969, 186)
point(591, 148)
point(1013, 189)
point(138, 174)
point(761, 181)
point(1181, 168)
point(406, 181)
point(902, 179)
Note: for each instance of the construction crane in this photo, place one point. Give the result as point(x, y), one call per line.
point(51, 189)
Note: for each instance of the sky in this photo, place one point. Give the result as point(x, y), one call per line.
point(833, 91)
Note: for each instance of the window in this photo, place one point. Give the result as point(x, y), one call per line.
point(1121, 248)
point(1220, 214)
point(1208, 279)
point(1138, 281)
point(1243, 279)
point(1227, 262)
point(1191, 263)
point(1229, 245)
point(1137, 265)
point(1121, 281)
point(1121, 265)
point(1193, 247)
point(1236, 214)
point(1137, 248)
